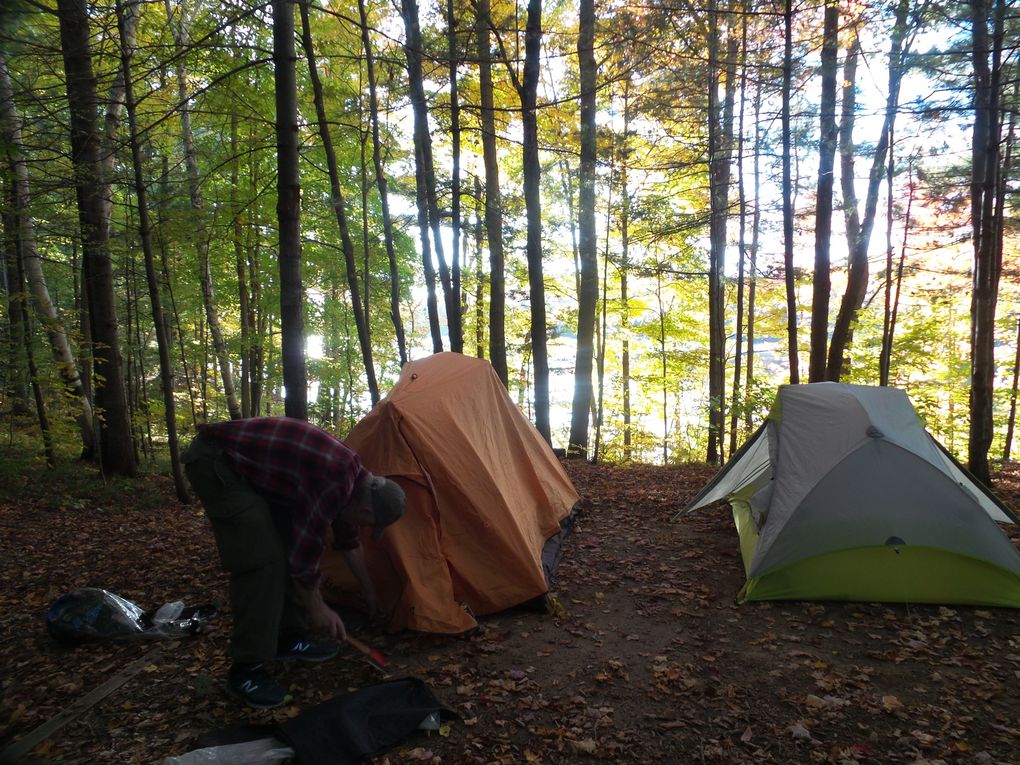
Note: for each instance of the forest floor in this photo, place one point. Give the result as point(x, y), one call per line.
point(650, 659)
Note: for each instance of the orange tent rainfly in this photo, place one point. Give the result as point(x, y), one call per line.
point(488, 503)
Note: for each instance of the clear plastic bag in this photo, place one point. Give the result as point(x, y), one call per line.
point(92, 613)
point(263, 751)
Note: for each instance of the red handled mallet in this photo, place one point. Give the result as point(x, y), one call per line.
point(374, 656)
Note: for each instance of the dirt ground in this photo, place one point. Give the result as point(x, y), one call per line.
point(648, 659)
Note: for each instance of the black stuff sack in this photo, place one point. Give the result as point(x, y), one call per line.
point(351, 728)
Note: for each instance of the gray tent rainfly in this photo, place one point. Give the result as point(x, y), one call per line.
point(843, 495)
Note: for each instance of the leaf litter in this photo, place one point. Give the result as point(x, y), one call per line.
point(646, 657)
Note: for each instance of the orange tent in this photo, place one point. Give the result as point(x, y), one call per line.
point(486, 497)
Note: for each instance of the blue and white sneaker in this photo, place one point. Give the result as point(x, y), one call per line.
point(255, 686)
point(307, 649)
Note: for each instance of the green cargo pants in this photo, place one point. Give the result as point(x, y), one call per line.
point(262, 602)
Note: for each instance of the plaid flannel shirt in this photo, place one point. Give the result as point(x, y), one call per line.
point(303, 468)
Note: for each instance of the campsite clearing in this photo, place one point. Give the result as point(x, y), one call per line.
point(649, 660)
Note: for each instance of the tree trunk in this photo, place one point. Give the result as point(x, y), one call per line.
point(112, 117)
point(752, 264)
point(380, 181)
point(360, 317)
point(33, 371)
point(624, 270)
point(182, 34)
point(16, 377)
point(533, 205)
point(823, 198)
point(457, 330)
point(720, 139)
point(587, 297)
point(166, 374)
point(662, 361)
point(987, 252)
point(738, 350)
point(428, 269)
point(423, 152)
point(791, 279)
point(258, 320)
point(1011, 422)
point(857, 277)
point(493, 200)
point(116, 452)
point(240, 259)
point(288, 213)
point(31, 263)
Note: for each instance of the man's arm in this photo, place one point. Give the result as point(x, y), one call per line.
point(321, 616)
point(356, 561)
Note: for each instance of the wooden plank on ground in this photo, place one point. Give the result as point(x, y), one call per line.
point(17, 752)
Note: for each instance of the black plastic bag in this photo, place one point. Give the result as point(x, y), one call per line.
point(92, 613)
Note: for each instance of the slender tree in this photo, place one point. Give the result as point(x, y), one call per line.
point(26, 336)
point(859, 237)
point(182, 37)
point(31, 263)
point(381, 185)
point(337, 202)
point(145, 235)
point(587, 297)
point(15, 375)
point(625, 204)
point(533, 203)
point(288, 212)
point(240, 266)
point(738, 353)
point(823, 197)
point(987, 63)
point(1011, 420)
point(791, 280)
point(527, 90)
point(414, 53)
point(720, 148)
point(493, 197)
point(116, 449)
point(456, 329)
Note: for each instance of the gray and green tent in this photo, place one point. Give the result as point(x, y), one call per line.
point(843, 495)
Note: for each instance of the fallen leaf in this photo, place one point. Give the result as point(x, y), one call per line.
point(587, 746)
point(797, 730)
point(891, 703)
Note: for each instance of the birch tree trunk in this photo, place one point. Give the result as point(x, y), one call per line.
point(33, 371)
point(31, 263)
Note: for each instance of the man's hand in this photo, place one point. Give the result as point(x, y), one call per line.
point(323, 618)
